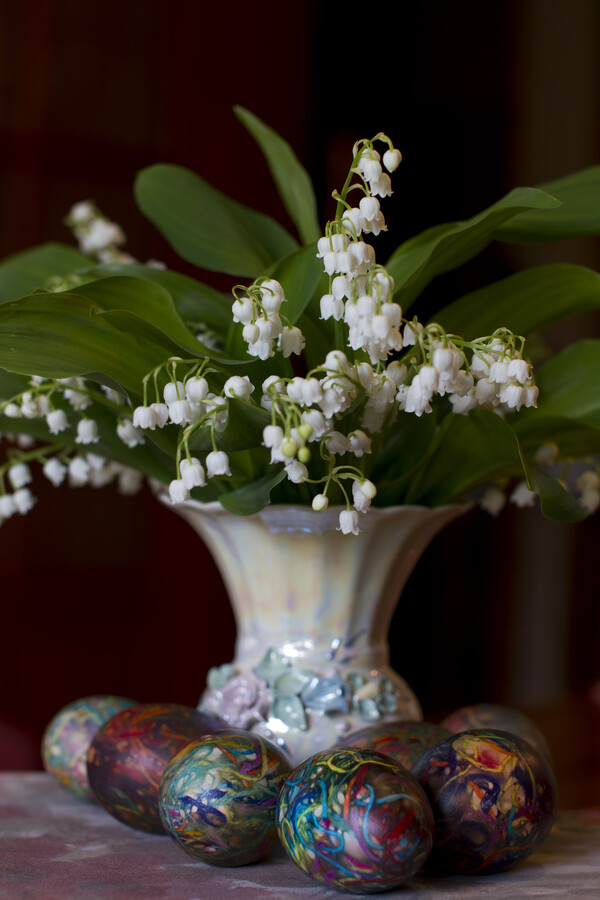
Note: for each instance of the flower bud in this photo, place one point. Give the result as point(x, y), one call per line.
point(392, 159)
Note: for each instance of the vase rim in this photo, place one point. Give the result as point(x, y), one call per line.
point(276, 515)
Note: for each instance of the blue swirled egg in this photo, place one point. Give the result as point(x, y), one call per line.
point(355, 820)
point(217, 797)
point(493, 797)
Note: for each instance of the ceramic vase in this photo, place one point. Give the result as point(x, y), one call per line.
point(312, 608)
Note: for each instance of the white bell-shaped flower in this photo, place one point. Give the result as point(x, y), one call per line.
point(24, 500)
point(291, 340)
point(144, 417)
point(161, 413)
point(19, 475)
point(192, 473)
point(349, 522)
point(87, 432)
point(178, 491)
point(392, 159)
point(196, 389)
point(55, 471)
point(130, 435)
point(238, 386)
point(217, 463)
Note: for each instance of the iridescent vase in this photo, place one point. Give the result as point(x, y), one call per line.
point(313, 608)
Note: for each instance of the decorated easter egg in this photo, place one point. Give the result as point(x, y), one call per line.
point(498, 718)
point(493, 797)
point(404, 741)
point(130, 752)
point(355, 820)
point(217, 797)
point(68, 736)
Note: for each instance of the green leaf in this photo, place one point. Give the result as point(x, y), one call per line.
point(196, 302)
point(403, 453)
point(524, 302)
point(556, 502)
point(24, 272)
point(60, 335)
point(441, 248)
point(252, 497)
point(469, 451)
point(147, 299)
point(292, 180)
point(206, 227)
point(579, 215)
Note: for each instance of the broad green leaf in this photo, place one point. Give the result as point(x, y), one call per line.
point(524, 302)
point(206, 227)
point(24, 272)
point(470, 450)
point(196, 302)
point(441, 248)
point(147, 299)
point(299, 275)
point(60, 335)
point(556, 502)
point(577, 217)
point(399, 458)
point(292, 180)
point(11, 385)
point(254, 496)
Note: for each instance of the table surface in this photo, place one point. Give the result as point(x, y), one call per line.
point(55, 847)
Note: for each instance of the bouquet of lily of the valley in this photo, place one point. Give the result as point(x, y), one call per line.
point(316, 383)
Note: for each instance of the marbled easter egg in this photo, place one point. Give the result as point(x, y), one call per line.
point(493, 797)
point(217, 797)
point(130, 752)
point(404, 741)
point(498, 718)
point(68, 736)
point(355, 821)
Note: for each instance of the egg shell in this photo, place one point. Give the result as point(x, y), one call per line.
point(355, 821)
point(493, 797)
point(130, 752)
point(217, 797)
point(405, 741)
point(68, 736)
point(498, 718)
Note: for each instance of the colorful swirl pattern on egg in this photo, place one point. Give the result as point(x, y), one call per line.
point(67, 739)
point(129, 754)
point(217, 797)
point(355, 821)
point(493, 797)
point(404, 741)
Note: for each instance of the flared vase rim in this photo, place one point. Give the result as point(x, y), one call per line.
point(326, 520)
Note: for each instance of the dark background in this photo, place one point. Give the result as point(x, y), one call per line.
point(98, 591)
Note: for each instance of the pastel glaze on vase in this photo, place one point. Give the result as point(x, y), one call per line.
point(313, 608)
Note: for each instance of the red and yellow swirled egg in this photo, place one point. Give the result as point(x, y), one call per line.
point(130, 752)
